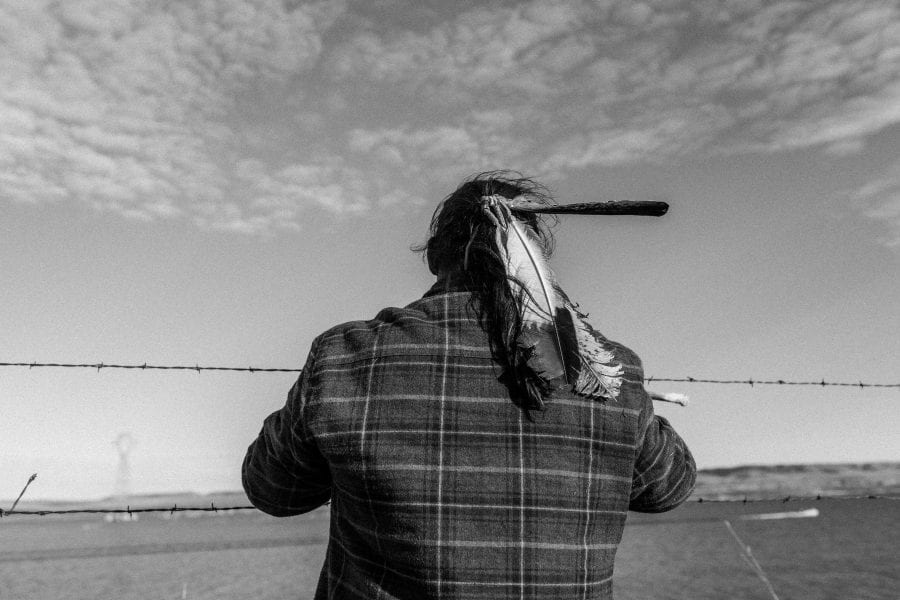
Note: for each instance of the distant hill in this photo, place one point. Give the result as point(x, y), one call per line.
point(181, 499)
point(748, 481)
point(770, 481)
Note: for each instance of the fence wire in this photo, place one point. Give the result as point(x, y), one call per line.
point(199, 369)
point(225, 509)
point(145, 366)
point(125, 511)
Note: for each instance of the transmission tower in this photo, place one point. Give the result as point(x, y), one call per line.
point(124, 444)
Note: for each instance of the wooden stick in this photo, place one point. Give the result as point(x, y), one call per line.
point(30, 479)
point(643, 208)
point(672, 397)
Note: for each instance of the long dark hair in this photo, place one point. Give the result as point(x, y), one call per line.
point(462, 244)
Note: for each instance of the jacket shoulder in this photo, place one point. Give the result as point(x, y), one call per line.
point(435, 324)
point(360, 335)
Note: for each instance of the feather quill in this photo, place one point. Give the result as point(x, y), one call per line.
point(540, 303)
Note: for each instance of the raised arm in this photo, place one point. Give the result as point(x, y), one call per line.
point(284, 474)
point(664, 471)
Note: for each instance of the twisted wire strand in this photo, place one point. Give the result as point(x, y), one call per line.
point(213, 508)
point(198, 368)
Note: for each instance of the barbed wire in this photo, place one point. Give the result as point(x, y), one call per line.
point(225, 509)
point(127, 510)
point(198, 368)
point(751, 382)
point(798, 498)
point(144, 366)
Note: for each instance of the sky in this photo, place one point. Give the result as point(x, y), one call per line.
point(218, 182)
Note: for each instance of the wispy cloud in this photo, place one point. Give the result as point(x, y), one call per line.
point(880, 200)
point(130, 107)
point(572, 85)
point(631, 81)
point(242, 114)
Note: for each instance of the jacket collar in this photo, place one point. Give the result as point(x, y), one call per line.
point(449, 282)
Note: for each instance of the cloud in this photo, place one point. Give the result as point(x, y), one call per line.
point(496, 56)
point(879, 200)
point(604, 83)
point(243, 114)
point(129, 106)
point(555, 87)
point(438, 144)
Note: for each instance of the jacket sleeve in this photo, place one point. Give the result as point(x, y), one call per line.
point(284, 473)
point(664, 471)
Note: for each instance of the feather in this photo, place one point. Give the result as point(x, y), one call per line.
point(555, 336)
point(592, 366)
point(539, 301)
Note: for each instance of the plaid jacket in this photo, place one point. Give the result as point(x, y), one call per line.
point(440, 487)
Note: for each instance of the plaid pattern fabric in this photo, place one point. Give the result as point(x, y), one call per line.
point(440, 486)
